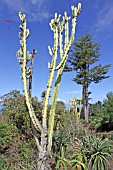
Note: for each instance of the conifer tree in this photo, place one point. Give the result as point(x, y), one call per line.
point(84, 54)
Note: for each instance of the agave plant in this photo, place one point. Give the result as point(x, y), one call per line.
point(97, 152)
point(77, 161)
point(62, 162)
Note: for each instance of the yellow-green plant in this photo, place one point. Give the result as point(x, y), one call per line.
point(74, 103)
point(77, 162)
point(45, 128)
point(62, 162)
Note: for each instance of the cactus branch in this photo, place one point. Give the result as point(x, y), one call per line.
point(49, 84)
point(60, 68)
point(22, 57)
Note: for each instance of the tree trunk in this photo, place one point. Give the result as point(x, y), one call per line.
point(83, 97)
point(86, 109)
point(86, 112)
point(31, 66)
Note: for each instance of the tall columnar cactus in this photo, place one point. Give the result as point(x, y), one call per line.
point(74, 103)
point(58, 27)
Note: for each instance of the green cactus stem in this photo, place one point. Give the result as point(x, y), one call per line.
point(23, 57)
point(53, 53)
point(60, 67)
point(74, 102)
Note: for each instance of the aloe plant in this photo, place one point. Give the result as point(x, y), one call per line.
point(62, 162)
point(78, 162)
point(75, 161)
point(97, 152)
point(78, 159)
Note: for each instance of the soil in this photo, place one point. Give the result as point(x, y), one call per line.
point(111, 162)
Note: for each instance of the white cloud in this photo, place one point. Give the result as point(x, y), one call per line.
point(40, 16)
point(104, 97)
point(104, 22)
point(39, 3)
point(36, 10)
point(35, 1)
point(14, 5)
point(61, 100)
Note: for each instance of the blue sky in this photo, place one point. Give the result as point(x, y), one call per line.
point(96, 17)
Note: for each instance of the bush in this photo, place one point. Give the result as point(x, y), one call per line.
point(97, 152)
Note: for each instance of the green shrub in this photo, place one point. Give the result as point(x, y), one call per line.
point(97, 152)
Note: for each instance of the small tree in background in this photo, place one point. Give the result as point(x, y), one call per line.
point(84, 54)
point(102, 114)
point(107, 123)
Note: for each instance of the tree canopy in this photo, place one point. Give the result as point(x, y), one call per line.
point(82, 57)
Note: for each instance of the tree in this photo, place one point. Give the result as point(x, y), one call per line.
point(16, 138)
point(59, 113)
point(45, 127)
point(84, 54)
point(96, 116)
point(107, 122)
point(14, 107)
point(102, 114)
point(43, 95)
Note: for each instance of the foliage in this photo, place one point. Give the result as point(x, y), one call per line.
point(62, 162)
point(71, 148)
point(43, 95)
point(59, 113)
point(66, 136)
point(60, 138)
point(102, 114)
point(17, 146)
point(97, 152)
point(91, 153)
point(108, 112)
point(78, 162)
point(75, 161)
point(96, 116)
point(14, 107)
point(84, 54)
point(4, 136)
